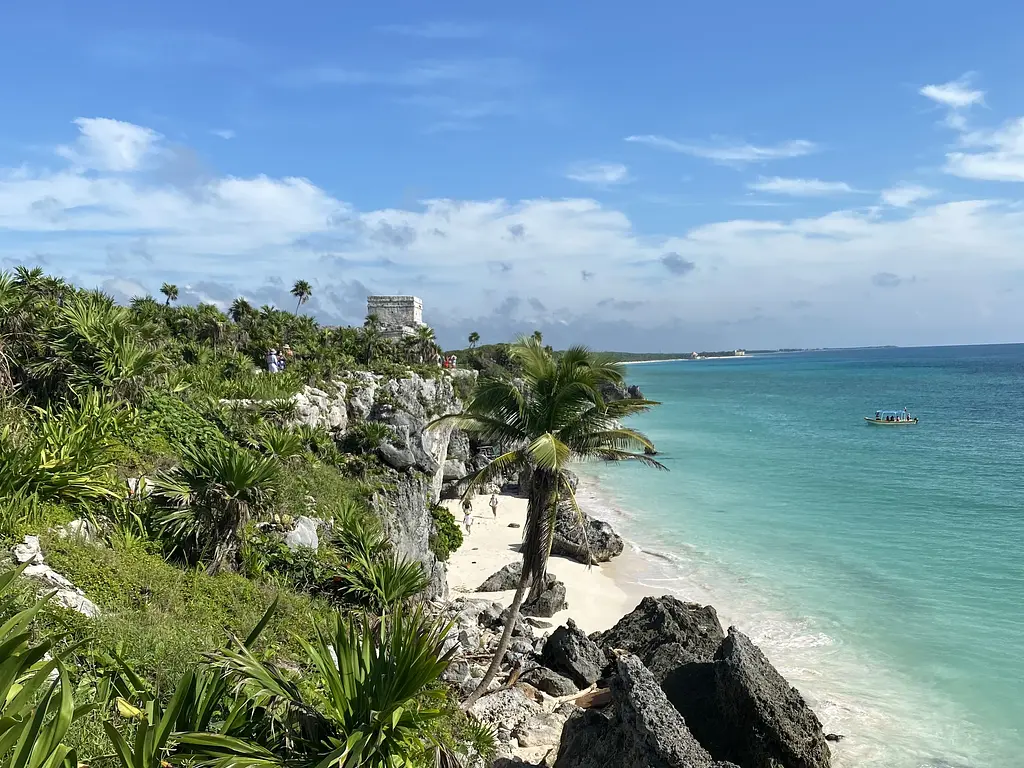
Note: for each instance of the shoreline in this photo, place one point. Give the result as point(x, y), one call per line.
point(597, 596)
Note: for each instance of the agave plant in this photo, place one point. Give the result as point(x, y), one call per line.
point(210, 498)
point(37, 708)
point(69, 455)
point(366, 700)
point(279, 442)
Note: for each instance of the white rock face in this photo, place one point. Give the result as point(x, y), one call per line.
point(316, 408)
point(67, 594)
point(80, 530)
point(304, 535)
point(28, 551)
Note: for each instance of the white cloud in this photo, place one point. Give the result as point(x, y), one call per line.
point(747, 275)
point(224, 133)
point(731, 153)
point(956, 94)
point(110, 145)
point(904, 195)
point(799, 187)
point(598, 173)
point(1001, 157)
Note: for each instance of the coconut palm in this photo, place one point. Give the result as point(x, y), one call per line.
point(373, 337)
point(302, 290)
point(474, 339)
point(170, 290)
point(552, 415)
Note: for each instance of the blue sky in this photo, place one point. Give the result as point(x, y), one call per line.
point(656, 176)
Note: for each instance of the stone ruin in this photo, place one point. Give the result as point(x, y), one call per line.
point(398, 315)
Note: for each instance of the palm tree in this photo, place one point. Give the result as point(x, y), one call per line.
point(210, 498)
point(302, 291)
point(552, 415)
point(424, 343)
point(373, 336)
point(538, 336)
point(170, 290)
point(474, 339)
point(240, 309)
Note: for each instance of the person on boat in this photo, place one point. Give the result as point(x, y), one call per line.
point(878, 415)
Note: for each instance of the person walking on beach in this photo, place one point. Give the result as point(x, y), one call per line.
point(494, 504)
point(467, 518)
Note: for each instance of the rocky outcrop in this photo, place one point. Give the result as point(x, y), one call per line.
point(611, 392)
point(640, 729)
point(549, 681)
point(29, 554)
point(503, 579)
point(404, 511)
point(767, 720)
point(316, 408)
point(571, 653)
point(573, 537)
point(692, 629)
point(549, 602)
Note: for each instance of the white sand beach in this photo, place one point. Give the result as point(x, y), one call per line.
point(597, 600)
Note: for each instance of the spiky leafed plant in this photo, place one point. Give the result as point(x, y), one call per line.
point(209, 499)
point(372, 337)
point(551, 416)
point(474, 339)
point(302, 290)
point(366, 701)
point(36, 705)
point(170, 292)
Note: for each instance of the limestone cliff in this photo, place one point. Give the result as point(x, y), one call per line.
point(416, 457)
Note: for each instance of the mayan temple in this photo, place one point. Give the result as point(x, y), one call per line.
point(398, 315)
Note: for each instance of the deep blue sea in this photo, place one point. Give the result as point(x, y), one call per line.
point(881, 569)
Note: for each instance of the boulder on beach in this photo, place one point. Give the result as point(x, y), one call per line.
point(503, 579)
point(571, 653)
point(640, 729)
point(573, 537)
point(549, 681)
point(767, 720)
point(549, 602)
point(660, 621)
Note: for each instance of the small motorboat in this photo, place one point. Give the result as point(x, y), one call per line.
point(892, 418)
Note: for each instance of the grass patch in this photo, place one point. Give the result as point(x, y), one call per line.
point(162, 619)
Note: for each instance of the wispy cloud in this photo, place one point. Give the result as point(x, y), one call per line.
point(731, 153)
point(437, 30)
point(1001, 155)
point(956, 94)
point(800, 187)
point(905, 195)
point(110, 145)
point(224, 133)
point(598, 173)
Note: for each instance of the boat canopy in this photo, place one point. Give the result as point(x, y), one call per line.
point(901, 412)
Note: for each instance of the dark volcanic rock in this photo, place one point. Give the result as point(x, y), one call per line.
point(549, 602)
point(660, 621)
point(641, 729)
point(571, 653)
point(611, 392)
point(677, 641)
point(505, 578)
point(767, 720)
point(572, 538)
point(552, 683)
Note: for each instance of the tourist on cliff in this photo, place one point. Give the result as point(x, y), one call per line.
point(494, 504)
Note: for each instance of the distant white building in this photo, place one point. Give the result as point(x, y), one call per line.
point(740, 352)
point(398, 315)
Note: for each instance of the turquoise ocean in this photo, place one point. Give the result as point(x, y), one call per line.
point(881, 569)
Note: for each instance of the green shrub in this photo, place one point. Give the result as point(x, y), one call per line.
point(445, 533)
point(167, 420)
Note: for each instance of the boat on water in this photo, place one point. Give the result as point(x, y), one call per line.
point(892, 418)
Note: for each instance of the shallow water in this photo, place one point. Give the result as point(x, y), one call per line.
point(879, 568)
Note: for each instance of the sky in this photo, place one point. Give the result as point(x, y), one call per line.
point(654, 176)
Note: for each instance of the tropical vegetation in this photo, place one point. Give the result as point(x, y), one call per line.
point(548, 415)
point(155, 427)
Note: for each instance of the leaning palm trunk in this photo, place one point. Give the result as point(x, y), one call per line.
point(503, 644)
point(535, 548)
